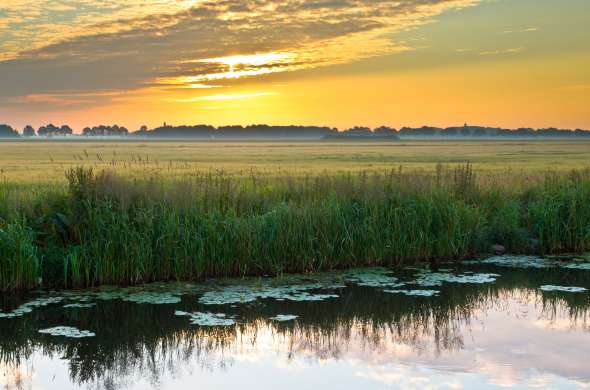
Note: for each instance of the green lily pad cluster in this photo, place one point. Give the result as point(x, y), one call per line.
point(207, 319)
point(79, 305)
point(517, 262)
point(573, 262)
point(67, 331)
point(550, 288)
point(29, 306)
point(582, 266)
point(432, 279)
point(284, 317)
point(414, 293)
point(374, 277)
point(245, 294)
point(153, 298)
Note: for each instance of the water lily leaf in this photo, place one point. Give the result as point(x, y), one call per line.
point(67, 331)
point(550, 287)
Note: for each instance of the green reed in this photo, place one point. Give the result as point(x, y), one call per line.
point(108, 229)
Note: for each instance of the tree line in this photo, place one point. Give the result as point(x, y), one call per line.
point(304, 132)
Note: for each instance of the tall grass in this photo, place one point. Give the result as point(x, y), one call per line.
point(107, 229)
point(19, 260)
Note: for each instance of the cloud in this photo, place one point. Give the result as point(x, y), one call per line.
point(225, 97)
point(50, 46)
point(512, 50)
point(522, 30)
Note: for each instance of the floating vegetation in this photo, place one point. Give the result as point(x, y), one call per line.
point(79, 305)
point(153, 298)
point(67, 331)
point(373, 277)
point(19, 312)
point(284, 317)
point(29, 306)
point(582, 266)
point(534, 262)
point(431, 279)
point(516, 262)
point(244, 294)
point(414, 293)
point(549, 288)
point(207, 319)
point(110, 295)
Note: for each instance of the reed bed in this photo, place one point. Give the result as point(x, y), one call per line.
point(104, 228)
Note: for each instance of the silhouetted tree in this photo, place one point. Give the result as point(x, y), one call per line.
point(29, 131)
point(384, 131)
point(358, 131)
point(7, 132)
point(103, 130)
point(65, 130)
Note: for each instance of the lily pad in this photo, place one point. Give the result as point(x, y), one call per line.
point(517, 262)
point(373, 277)
point(431, 279)
point(67, 331)
point(549, 287)
point(29, 306)
point(79, 305)
point(244, 294)
point(414, 293)
point(583, 266)
point(153, 298)
point(207, 319)
point(284, 317)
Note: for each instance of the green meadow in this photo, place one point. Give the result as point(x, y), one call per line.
point(42, 161)
point(87, 214)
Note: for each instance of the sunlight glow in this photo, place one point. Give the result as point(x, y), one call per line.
point(252, 59)
point(223, 96)
point(236, 67)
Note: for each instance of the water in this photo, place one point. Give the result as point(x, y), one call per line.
point(474, 326)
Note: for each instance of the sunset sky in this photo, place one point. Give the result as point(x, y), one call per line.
point(340, 63)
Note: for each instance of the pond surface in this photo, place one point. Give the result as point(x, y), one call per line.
point(517, 322)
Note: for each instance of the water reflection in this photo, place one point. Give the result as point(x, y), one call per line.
point(505, 333)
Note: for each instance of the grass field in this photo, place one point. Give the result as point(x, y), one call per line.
point(85, 214)
point(37, 162)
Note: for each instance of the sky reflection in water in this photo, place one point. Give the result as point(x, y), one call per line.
point(506, 333)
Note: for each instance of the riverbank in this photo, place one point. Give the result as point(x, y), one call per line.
point(103, 228)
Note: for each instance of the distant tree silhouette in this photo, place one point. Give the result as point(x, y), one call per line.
point(29, 131)
point(51, 130)
point(47, 131)
point(358, 131)
point(237, 132)
point(384, 131)
point(103, 130)
point(262, 131)
point(8, 132)
point(65, 130)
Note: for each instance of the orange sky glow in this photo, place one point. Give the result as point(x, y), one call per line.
point(510, 63)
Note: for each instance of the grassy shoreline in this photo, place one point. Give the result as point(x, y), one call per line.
point(103, 228)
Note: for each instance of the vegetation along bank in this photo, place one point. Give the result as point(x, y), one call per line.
point(103, 228)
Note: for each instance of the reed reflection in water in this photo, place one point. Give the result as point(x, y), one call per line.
point(507, 333)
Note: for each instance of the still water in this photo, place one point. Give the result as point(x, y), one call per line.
point(508, 322)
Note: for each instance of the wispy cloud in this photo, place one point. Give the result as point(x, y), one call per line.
point(233, 96)
point(522, 30)
point(512, 50)
point(47, 46)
